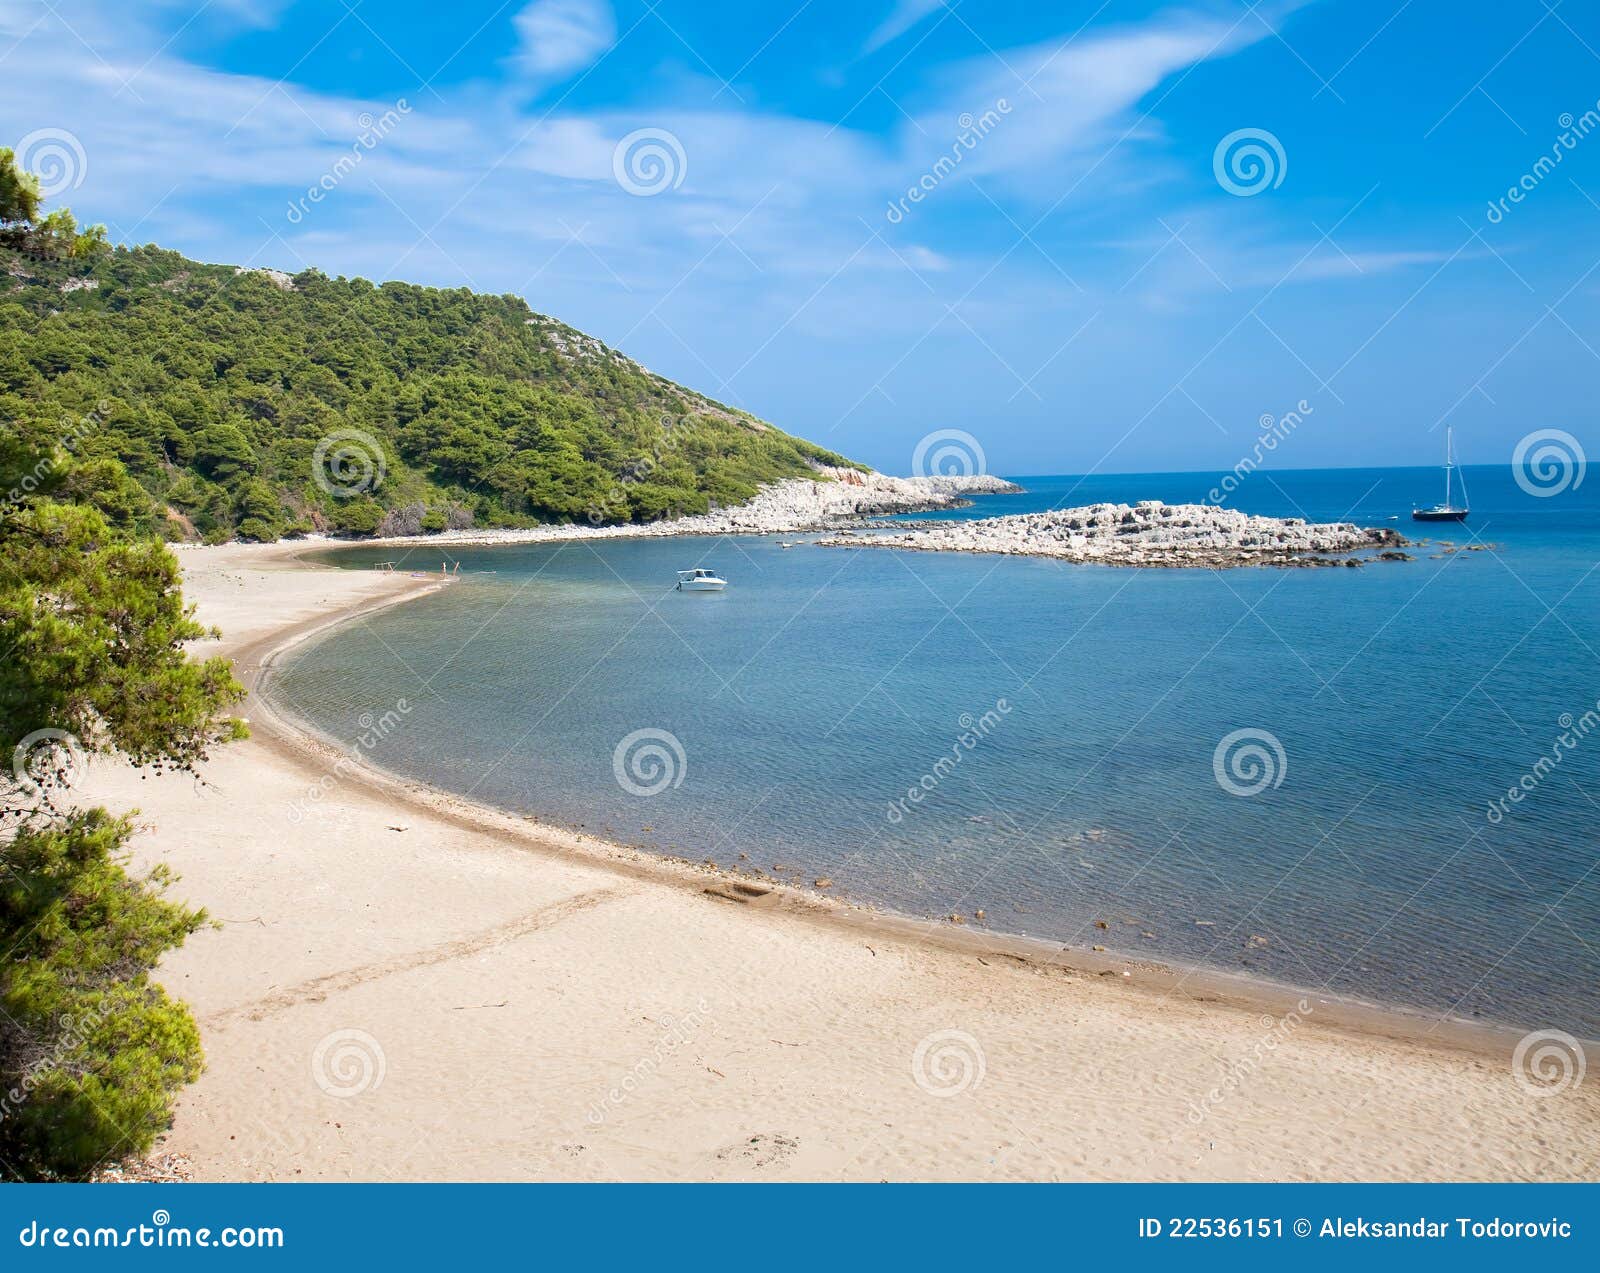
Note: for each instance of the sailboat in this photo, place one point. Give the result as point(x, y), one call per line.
point(1446, 512)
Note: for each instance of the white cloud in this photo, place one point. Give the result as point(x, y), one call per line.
point(799, 192)
point(561, 36)
point(906, 14)
point(922, 258)
point(1360, 264)
point(256, 13)
point(1074, 99)
point(16, 20)
point(569, 146)
point(1193, 254)
point(779, 227)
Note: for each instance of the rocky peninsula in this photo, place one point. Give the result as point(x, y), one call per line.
point(838, 496)
point(1149, 533)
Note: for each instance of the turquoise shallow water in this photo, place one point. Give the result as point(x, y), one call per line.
point(808, 699)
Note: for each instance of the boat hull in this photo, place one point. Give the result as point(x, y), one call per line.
point(1439, 514)
point(702, 585)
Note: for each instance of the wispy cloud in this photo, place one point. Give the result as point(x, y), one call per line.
point(250, 13)
point(773, 253)
point(1077, 97)
point(906, 14)
point(795, 196)
point(561, 36)
point(1359, 263)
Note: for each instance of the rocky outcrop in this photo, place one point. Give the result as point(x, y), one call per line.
point(1149, 533)
point(839, 496)
point(803, 505)
point(283, 282)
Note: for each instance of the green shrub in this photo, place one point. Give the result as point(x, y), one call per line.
point(358, 517)
point(95, 628)
point(91, 1051)
point(222, 452)
point(255, 530)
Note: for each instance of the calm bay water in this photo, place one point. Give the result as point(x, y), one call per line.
point(824, 684)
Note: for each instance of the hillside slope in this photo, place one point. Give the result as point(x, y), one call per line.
point(254, 404)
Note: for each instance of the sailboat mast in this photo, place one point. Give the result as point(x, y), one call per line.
point(1447, 432)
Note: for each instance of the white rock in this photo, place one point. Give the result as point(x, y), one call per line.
point(787, 507)
point(1146, 534)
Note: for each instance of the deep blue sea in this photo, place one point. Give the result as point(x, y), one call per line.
point(1286, 772)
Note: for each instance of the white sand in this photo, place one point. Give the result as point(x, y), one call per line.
point(511, 978)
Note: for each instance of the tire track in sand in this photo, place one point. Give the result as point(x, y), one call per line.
point(319, 988)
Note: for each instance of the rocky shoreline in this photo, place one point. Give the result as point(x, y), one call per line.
point(838, 496)
point(1149, 533)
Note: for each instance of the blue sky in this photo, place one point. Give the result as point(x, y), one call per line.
point(1081, 292)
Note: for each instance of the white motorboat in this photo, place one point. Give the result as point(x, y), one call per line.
point(700, 581)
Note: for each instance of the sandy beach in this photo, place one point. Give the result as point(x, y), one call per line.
point(405, 987)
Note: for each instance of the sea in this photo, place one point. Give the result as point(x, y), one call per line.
point(1380, 782)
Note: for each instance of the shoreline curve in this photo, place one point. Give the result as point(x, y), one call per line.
point(514, 1002)
point(298, 742)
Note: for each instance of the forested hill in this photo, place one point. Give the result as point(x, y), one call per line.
point(252, 403)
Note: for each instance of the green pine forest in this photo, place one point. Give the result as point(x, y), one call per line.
point(207, 402)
